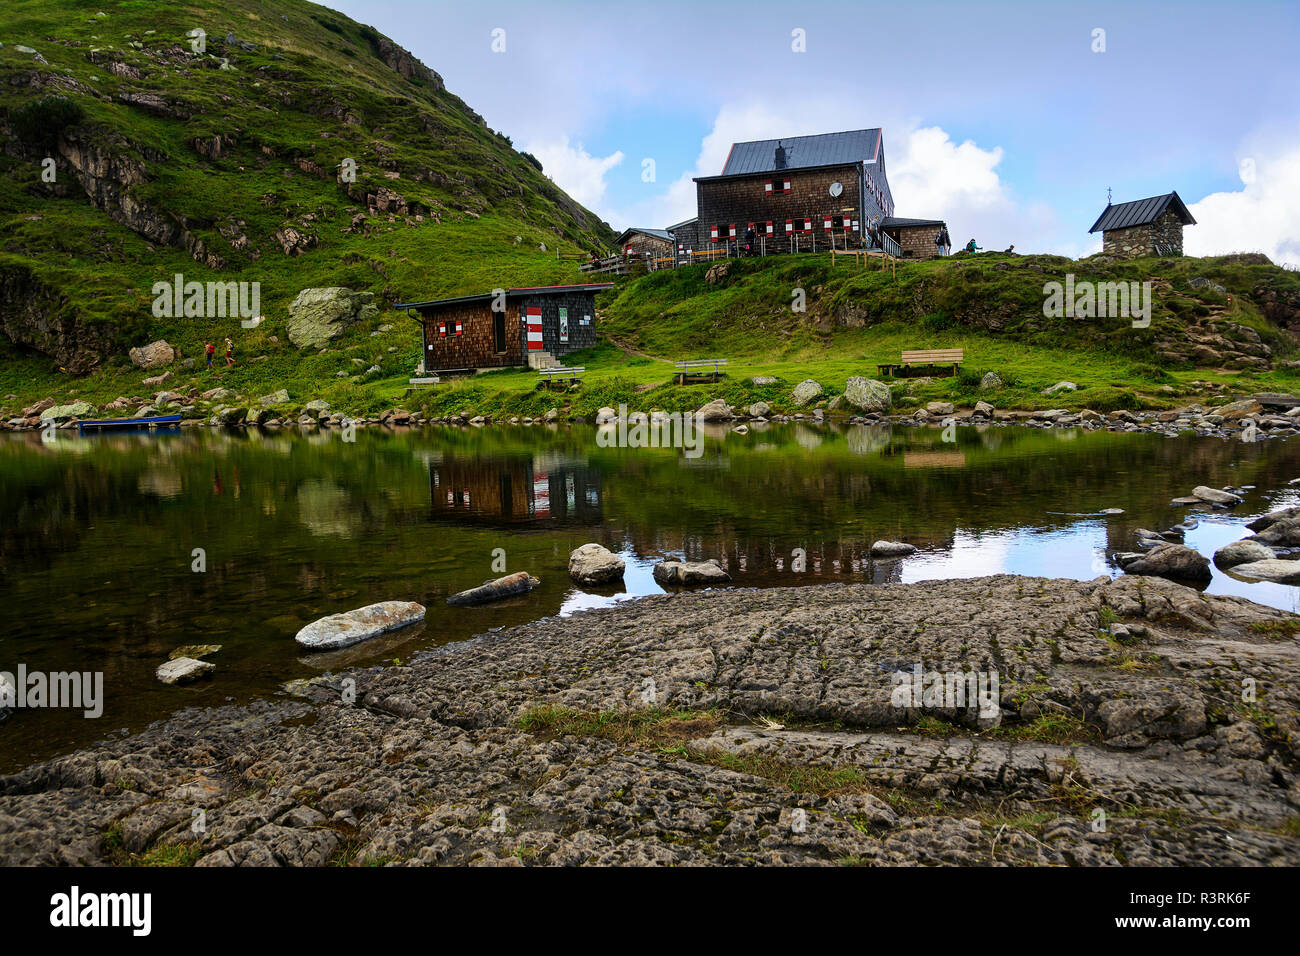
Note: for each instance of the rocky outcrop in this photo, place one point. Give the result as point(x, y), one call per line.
point(403, 62)
point(667, 731)
point(35, 315)
point(318, 315)
point(353, 627)
point(1242, 552)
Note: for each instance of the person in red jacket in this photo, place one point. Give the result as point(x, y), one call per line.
point(211, 350)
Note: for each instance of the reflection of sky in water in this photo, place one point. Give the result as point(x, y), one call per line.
point(1076, 552)
point(638, 581)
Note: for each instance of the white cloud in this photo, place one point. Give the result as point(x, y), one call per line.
point(1263, 216)
point(576, 171)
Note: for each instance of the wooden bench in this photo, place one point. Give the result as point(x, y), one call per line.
point(1277, 399)
point(925, 362)
point(417, 384)
point(684, 368)
point(559, 372)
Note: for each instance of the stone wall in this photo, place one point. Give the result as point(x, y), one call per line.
point(1136, 241)
point(917, 242)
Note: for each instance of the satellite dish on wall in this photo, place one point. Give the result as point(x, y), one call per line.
point(836, 189)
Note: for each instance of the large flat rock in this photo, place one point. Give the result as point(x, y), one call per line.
point(353, 627)
point(665, 731)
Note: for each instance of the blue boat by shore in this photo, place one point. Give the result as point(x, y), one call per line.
point(162, 421)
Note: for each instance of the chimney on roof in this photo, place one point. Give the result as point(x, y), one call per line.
point(780, 155)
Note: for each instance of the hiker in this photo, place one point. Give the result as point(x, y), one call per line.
point(1011, 249)
point(749, 241)
point(943, 241)
point(971, 247)
point(211, 350)
point(230, 348)
point(873, 234)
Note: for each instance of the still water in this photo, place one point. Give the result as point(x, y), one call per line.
point(100, 537)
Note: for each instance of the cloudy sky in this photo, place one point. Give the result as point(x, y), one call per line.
point(1009, 120)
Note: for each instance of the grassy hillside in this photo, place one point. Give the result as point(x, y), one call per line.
point(228, 164)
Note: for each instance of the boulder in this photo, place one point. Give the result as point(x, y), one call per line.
point(606, 416)
point(63, 413)
point(316, 407)
point(275, 398)
point(763, 380)
point(231, 416)
point(183, 670)
point(983, 410)
point(595, 564)
point(991, 380)
point(318, 315)
point(154, 355)
point(760, 410)
point(156, 380)
point(891, 549)
point(1242, 552)
point(520, 582)
point(353, 627)
point(806, 392)
point(1060, 387)
point(1216, 497)
point(867, 394)
point(715, 411)
point(939, 408)
point(31, 411)
point(690, 572)
point(1168, 561)
point(8, 696)
point(1270, 569)
point(1234, 411)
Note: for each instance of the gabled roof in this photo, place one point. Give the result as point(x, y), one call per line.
point(1139, 212)
point(824, 149)
point(510, 294)
point(654, 233)
point(685, 222)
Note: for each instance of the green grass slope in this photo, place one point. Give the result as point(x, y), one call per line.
point(226, 165)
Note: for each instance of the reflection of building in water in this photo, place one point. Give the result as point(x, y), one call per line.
point(515, 490)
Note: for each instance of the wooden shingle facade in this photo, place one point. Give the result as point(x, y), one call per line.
point(506, 327)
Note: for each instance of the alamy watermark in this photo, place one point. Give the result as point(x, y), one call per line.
point(76, 690)
point(212, 300)
point(947, 690)
point(658, 430)
point(1101, 300)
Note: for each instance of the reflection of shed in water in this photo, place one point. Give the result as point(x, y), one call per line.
point(514, 490)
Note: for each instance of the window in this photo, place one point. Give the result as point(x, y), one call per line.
point(835, 223)
point(761, 228)
point(721, 233)
point(775, 186)
point(798, 226)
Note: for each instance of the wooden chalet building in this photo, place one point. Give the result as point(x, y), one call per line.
point(533, 326)
point(1144, 227)
point(801, 193)
point(645, 243)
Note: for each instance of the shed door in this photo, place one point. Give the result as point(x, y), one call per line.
point(564, 325)
point(534, 328)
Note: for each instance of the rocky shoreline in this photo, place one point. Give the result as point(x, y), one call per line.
point(1134, 721)
point(1245, 420)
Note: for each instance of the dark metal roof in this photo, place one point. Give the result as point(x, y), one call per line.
point(1139, 212)
point(889, 221)
point(684, 222)
point(510, 293)
point(656, 233)
point(824, 149)
point(769, 172)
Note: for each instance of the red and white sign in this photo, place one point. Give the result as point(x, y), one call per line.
point(534, 328)
point(541, 494)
